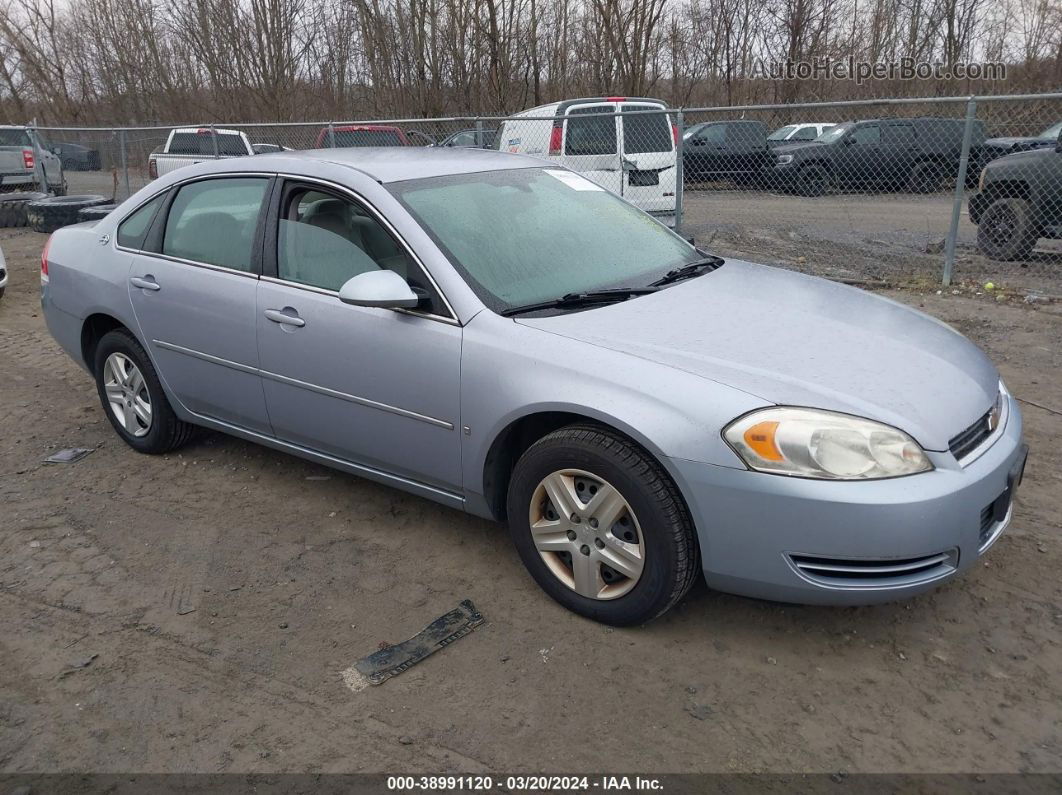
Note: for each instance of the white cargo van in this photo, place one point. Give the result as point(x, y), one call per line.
point(621, 143)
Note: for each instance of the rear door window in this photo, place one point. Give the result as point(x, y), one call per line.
point(646, 132)
point(214, 222)
point(899, 133)
point(591, 135)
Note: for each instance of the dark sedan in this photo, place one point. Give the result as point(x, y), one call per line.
point(76, 157)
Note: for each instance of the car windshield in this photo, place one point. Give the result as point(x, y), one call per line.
point(834, 133)
point(527, 235)
point(1052, 132)
point(782, 133)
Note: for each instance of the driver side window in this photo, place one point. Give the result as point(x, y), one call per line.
point(325, 240)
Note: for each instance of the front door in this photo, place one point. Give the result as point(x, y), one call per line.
point(192, 283)
point(857, 159)
point(376, 387)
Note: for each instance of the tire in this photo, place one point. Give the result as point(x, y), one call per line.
point(925, 178)
point(653, 517)
point(1005, 230)
point(2, 291)
point(55, 212)
point(164, 431)
point(813, 180)
point(13, 207)
point(95, 213)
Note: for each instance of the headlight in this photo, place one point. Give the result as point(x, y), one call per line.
point(809, 443)
point(981, 179)
point(783, 159)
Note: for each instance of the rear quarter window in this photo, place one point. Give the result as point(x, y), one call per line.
point(133, 230)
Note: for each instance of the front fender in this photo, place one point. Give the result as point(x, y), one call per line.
point(510, 371)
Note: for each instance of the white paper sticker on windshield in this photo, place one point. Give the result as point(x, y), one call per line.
point(574, 181)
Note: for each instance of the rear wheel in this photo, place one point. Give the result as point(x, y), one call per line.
point(601, 527)
point(1006, 230)
point(925, 178)
point(133, 398)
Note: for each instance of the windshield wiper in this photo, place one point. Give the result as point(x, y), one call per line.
point(581, 299)
point(688, 271)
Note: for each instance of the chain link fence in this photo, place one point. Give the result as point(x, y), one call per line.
point(926, 191)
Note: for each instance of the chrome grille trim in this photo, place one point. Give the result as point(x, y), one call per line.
point(857, 574)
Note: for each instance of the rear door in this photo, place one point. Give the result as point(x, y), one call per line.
point(193, 283)
point(591, 144)
point(647, 157)
point(898, 148)
point(857, 159)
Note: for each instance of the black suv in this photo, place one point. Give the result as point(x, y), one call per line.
point(917, 155)
point(726, 150)
point(1018, 201)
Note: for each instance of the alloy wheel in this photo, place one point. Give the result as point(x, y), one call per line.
point(127, 394)
point(587, 534)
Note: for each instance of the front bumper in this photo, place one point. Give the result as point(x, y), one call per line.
point(845, 543)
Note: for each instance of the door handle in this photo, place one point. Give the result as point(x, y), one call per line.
point(145, 282)
point(279, 316)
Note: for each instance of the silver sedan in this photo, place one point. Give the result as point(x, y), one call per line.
point(507, 338)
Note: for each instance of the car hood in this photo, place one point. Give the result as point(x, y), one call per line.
point(1033, 157)
point(798, 147)
point(792, 339)
point(1006, 143)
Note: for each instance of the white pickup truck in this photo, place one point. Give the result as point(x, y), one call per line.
point(24, 155)
point(187, 145)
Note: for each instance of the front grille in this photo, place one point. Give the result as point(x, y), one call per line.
point(875, 573)
point(964, 443)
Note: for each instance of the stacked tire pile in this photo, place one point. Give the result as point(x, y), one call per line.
point(13, 207)
point(54, 212)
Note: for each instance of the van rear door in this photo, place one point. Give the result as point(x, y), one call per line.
point(647, 146)
point(591, 144)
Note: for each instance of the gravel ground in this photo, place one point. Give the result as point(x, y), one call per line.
point(193, 612)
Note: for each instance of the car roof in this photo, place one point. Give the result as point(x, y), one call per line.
point(383, 163)
point(205, 130)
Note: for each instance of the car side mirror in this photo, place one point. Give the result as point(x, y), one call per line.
point(383, 289)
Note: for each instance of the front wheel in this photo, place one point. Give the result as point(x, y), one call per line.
point(133, 398)
point(813, 180)
point(601, 527)
point(1005, 230)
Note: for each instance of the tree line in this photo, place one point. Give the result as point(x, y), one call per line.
point(149, 61)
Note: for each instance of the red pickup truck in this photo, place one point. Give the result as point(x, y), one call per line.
point(369, 135)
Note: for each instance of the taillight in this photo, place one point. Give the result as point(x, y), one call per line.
point(44, 261)
point(153, 168)
point(556, 138)
point(27, 158)
point(674, 133)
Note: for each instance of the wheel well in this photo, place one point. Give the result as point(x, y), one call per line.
point(1008, 189)
point(92, 332)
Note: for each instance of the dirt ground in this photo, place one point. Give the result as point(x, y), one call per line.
point(193, 612)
